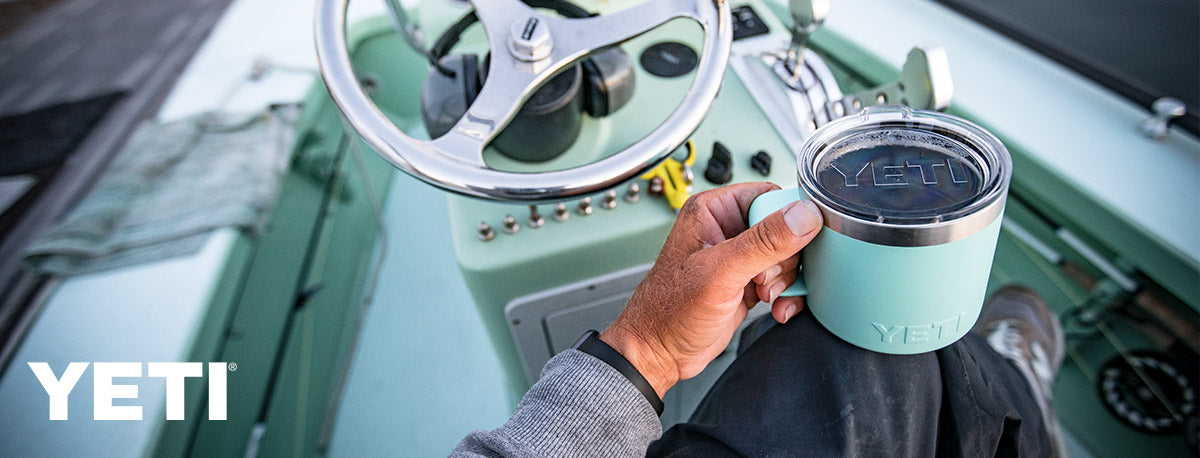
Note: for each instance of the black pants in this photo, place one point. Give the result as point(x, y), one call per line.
point(800, 391)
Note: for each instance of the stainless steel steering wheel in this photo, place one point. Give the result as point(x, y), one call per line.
point(527, 48)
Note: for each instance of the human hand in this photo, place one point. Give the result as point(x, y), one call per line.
point(710, 272)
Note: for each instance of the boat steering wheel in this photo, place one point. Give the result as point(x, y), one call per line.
point(527, 48)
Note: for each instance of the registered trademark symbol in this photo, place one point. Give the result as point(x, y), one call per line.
point(232, 367)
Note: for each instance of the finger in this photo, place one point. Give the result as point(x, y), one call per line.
point(784, 308)
point(750, 296)
point(777, 237)
point(712, 216)
point(768, 276)
point(765, 277)
point(770, 291)
point(729, 205)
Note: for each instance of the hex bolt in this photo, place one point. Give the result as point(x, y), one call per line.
point(560, 212)
point(511, 226)
point(585, 207)
point(632, 193)
point(610, 200)
point(485, 231)
point(535, 218)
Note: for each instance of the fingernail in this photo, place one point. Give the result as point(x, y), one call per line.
point(773, 272)
point(776, 290)
point(802, 217)
point(789, 313)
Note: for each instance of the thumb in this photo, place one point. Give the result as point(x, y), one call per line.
point(774, 239)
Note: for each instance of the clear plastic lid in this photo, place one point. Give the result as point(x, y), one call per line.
point(894, 166)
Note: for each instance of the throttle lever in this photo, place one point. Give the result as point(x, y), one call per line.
point(924, 84)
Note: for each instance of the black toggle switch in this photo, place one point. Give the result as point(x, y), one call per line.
point(761, 162)
point(720, 165)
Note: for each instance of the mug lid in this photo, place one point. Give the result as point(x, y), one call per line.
point(905, 177)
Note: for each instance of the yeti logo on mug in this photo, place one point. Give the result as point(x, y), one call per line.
point(948, 328)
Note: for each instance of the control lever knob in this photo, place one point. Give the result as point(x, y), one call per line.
point(720, 165)
point(807, 17)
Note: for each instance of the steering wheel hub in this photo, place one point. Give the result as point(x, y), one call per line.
point(530, 40)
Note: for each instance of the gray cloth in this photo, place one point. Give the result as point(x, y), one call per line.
point(171, 185)
point(579, 407)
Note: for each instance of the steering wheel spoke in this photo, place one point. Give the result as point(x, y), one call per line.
point(497, 102)
point(586, 34)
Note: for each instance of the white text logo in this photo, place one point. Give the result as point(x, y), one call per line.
point(59, 388)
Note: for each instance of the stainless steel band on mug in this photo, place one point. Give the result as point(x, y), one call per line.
point(938, 226)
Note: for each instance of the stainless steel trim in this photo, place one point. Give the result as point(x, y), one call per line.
point(454, 162)
point(910, 235)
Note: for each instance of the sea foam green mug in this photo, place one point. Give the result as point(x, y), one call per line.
point(912, 202)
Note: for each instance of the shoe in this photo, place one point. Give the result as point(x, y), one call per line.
point(1019, 325)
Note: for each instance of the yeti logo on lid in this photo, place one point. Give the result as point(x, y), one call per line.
point(887, 175)
point(898, 177)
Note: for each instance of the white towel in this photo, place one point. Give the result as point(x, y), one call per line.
point(173, 184)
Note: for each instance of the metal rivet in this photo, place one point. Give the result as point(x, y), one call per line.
point(585, 207)
point(485, 231)
point(560, 212)
point(511, 226)
point(610, 200)
point(632, 193)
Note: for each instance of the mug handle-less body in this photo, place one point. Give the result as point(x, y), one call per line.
point(771, 202)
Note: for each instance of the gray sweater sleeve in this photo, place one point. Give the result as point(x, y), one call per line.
point(579, 407)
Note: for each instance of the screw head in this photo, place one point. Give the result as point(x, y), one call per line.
point(610, 200)
point(560, 212)
point(529, 40)
point(510, 225)
point(632, 193)
point(585, 207)
point(485, 231)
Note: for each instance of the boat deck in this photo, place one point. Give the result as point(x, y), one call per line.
point(424, 373)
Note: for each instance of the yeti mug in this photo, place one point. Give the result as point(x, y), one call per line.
point(912, 202)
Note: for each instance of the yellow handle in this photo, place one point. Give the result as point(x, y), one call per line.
point(676, 176)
